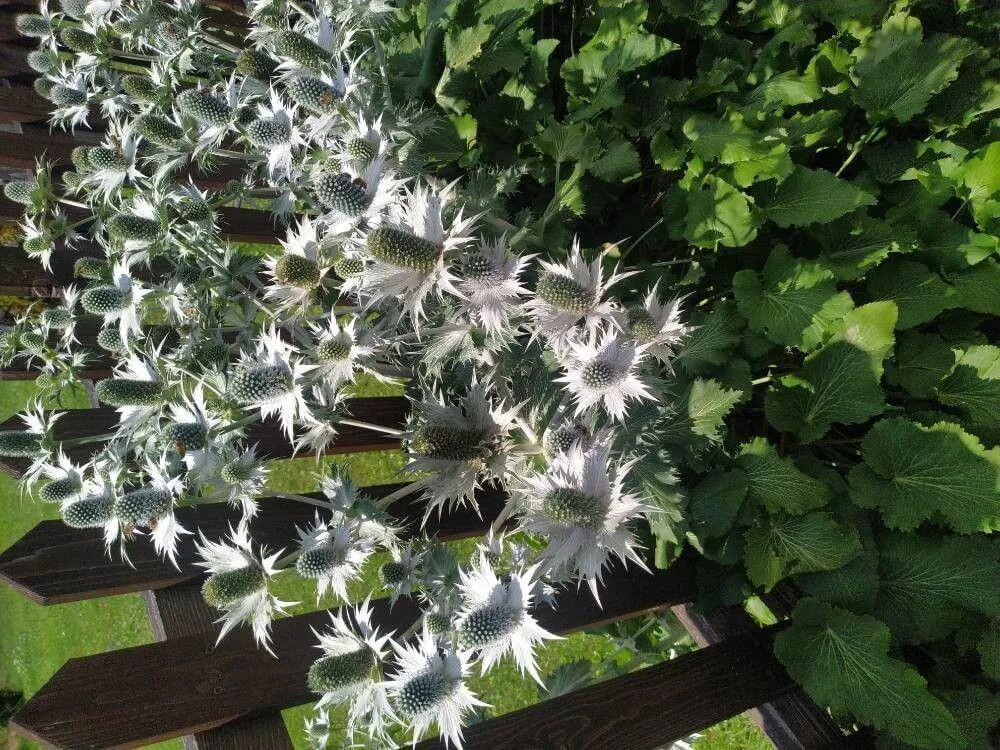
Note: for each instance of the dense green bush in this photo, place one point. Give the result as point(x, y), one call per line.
point(822, 179)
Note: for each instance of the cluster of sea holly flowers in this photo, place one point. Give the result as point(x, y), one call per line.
point(521, 371)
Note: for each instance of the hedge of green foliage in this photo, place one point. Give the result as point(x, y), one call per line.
point(822, 178)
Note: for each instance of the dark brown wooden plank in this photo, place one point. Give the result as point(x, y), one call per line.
point(180, 610)
point(386, 411)
point(14, 61)
point(209, 686)
point(22, 151)
point(53, 563)
point(22, 104)
point(646, 709)
point(792, 721)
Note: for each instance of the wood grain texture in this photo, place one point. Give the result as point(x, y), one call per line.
point(385, 411)
point(213, 685)
point(53, 563)
point(21, 103)
point(179, 611)
point(646, 709)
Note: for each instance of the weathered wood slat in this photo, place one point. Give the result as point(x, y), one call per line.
point(646, 709)
point(21, 103)
point(13, 60)
point(180, 610)
point(210, 686)
point(388, 411)
point(53, 563)
point(792, 721)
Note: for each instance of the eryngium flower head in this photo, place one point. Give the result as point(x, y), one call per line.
point(32, 24)
point(238, 584)
point(429, 687)
point(332, 554)
point(160, 130)
point(657, 325)
point(130, 392)
point(20, 191)
point(351, 670)
point(89, 513)
point(302, 50)
point(204, 108)
point(20, 444)
point(605, 371)
point(314, 93)
point(580, 507)
point(493, 618)
point(491, 283)
point(256, 64)
point(59, 490)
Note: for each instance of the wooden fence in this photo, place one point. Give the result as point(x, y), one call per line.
point(229, 697)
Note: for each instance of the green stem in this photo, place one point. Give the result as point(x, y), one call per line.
point(861, 143)
point(373, 427)
point(402, 492)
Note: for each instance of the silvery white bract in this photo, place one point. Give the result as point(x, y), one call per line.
point(530, 369)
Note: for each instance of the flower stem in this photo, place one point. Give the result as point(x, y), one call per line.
point(301, 499)
point(402, 492)
point(862, 142)
point(373, 427)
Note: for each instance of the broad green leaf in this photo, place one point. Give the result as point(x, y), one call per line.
point(708, 403)
point(855, 244)
point(918, 292)
point(782, 545)
point(715, 502)
point(808, 130)
point(977, 711)
point(913, 474)
point(462, 46)
point(702, 12)
point(950, 244)
point(974, 385)
point(796, 303)
point(753, 156)
point(928, 584)
point(618, 163)
point(870, 328)
point(897, 72)
point(565, 142)
point(979, 287)
point(989, 650)
point(718, 214)
point(853, 586)
point(532, 80)
point(810, 196)
point(712, 341)
point(982, 174)
point(842, 660)
point(921, 361)
point(786, 89)
point(776, 482)
point(836, 384)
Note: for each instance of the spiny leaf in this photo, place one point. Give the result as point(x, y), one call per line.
point(708, 403)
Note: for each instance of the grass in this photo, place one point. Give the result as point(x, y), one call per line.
point(35, 641)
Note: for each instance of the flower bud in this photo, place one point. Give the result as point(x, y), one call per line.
point(143, 506)
point(78, 40)
point(20, 191)
point(362, 150)
point(448, 443)
point(258, 383)
point(74, 8)
point(60, 489)
point(139, 87)
point(41, 61)
point(297, 270)
point(89, 267)
point(256, 64)
point(129, 392)
point(18, 444)
point(564, 293)
point(313, 93)
point(131, 228)
point(229, 586)
point(319, 561)
point(334, 350)
point(302, 50)
point(65, 96)
point(341, 192)
point(269, 132)
point(88, 513)
point(400, 248)
point(160, 131)
point(204, 108)
point(104, 299)
point(571, 507)
point(105, 158)
point(332, 673)
point(187, 436)
point(486, 625)
point(110, 339)
point(57, 317)
point(43, 87)
point(32, 24)
point(641, 323)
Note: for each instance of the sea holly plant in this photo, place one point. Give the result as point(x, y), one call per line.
point(669, 274)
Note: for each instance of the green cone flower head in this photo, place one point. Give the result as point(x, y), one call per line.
point(302, 50)
point(362, 150)
point(57, 317)
point(33, 343)
point(393, 573)
point(256, 64)
point(334, 349)
point(20, 444)
point(342, 192)
point(313, 93)
point(187, 436)
point(641, 323)
point(332, 673)
point(32, 24)
point(437, 622)
point(67, 96)
point(105, 299)
point(81, 159)
point(39, 244)
point(140, 87)
point(253, 384)
point(269, 132)
point(160, 131)
point(571, 507)
point(449, 443)
point(110, 339)
point(130, 392)
point(346, 266)
point(564, 293)
point(236, 472)
point(143, 506)
point(204, 108)
point(62, 489)
point(104, 158)
point(132, 228)
point(91, 512)
point(20, 191)
point(400, 248)
point(78, 40)
point(41, 61)
point(487, 625)
point(560, 439)
point(229, 586)
point(296, 270)
point(71, 180)
point(319, 561)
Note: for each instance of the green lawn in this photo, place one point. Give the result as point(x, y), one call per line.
point(35, 641)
